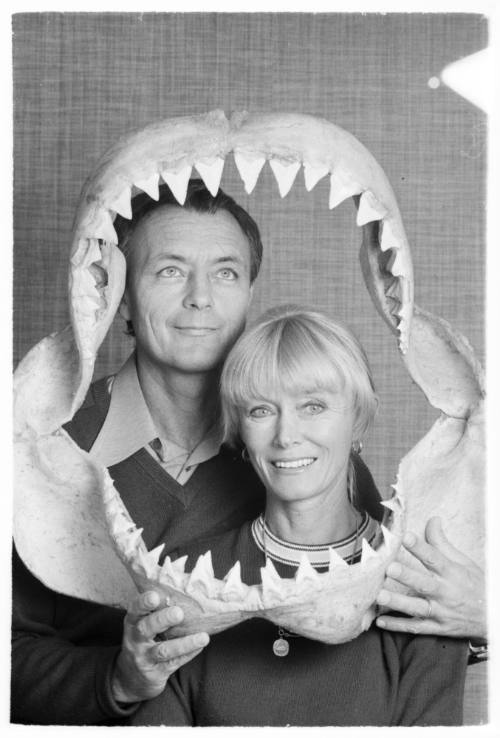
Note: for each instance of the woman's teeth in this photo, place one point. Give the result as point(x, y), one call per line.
point(295, 464)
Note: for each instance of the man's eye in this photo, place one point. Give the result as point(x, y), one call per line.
point(170, 271)
point(259, 412)
point(228, 274)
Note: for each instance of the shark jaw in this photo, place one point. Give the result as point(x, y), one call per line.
point(334, 606)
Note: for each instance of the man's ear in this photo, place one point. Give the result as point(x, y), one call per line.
point(124, 308)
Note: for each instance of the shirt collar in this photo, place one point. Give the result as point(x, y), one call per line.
point(120, 436)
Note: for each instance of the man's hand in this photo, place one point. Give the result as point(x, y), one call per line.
point(144, 664)
point(446, 598)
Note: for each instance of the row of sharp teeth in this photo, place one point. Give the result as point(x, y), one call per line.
point(201, 580)
point(341, 187)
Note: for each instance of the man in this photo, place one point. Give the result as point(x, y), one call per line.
point(190, 275)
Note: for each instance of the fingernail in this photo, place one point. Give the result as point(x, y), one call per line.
point(176, 614)
point(150, 599)
point(202, 639)
point(381, 622)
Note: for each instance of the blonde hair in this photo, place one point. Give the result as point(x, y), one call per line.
point(295, 349)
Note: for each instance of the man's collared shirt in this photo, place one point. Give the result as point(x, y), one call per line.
point(129, 427)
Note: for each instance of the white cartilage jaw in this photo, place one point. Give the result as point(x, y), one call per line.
point(172, 153)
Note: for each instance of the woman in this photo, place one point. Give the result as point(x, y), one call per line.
point(297, 394)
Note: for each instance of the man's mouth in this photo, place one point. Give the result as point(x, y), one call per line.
point(294, 463)
point(195, 330)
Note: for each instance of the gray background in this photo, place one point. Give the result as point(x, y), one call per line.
point(83, 79)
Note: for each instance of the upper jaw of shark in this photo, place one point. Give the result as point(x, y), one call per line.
point(173, 150)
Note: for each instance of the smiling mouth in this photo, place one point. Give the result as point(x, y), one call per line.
point(294, 463)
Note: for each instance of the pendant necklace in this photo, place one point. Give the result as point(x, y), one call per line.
point(281, 646)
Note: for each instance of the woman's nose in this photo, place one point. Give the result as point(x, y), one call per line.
point(287, 431)
point(198, 293)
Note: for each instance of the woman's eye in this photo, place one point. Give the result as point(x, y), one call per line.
point(228, 274)
point(314, 408)
point(170, 271)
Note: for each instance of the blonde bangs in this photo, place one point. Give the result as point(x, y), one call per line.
point(295, 351)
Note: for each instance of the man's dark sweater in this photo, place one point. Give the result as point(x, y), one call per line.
point(63, 648)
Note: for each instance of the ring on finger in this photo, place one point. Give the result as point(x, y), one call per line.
point(429, 611)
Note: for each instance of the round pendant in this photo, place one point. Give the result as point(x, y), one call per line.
point(281, 647)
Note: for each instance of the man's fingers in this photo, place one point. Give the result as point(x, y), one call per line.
point(144, 604)
point(418, 581)
point(414, 606)
point(428, 555)
point(409, 625)
point(149, 626)
point(180, 649)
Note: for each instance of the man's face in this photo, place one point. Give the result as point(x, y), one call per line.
point(188, 288)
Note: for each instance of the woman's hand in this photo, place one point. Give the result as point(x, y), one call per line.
point(144, 664)
point(446, 598)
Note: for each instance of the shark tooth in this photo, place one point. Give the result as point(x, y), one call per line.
point(393, 504)
point(336, 561)
point(367, 552)
point(249, 170)
point(389, 538)
point(172, 572)
point(211, 173)
point(393, 290)
point(93, 252)
point(306, 572)
point(122, 204)
point(102, 227)
point(312, 175)
point(202, 576)
point(178, 182)
point(120, 523)
point(233, 588)
point(132, 540)
point(369, 209)
point(150, 185)
point(272, 585)
point(145, 564)
point(285, 173)
point(155, 553)
point(396, 264)
point(252, 599)
point(388, 239)
point(340, 190)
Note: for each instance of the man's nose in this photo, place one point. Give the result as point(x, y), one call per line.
point(287, 430)
point(199, 292)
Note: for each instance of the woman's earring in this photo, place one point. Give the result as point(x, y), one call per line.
point(356, 447)
point(244, 454)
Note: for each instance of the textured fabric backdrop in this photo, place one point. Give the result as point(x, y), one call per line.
point(81, 80)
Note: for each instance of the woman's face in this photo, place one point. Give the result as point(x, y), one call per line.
point(299, 443)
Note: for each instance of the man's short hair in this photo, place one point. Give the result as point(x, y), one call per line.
point(200, 200)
